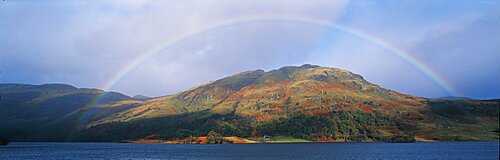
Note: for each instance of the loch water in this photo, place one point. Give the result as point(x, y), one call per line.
point(129, 151)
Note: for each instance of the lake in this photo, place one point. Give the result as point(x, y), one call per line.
point(437, 150)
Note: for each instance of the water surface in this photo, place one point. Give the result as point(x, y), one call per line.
point(439, 150)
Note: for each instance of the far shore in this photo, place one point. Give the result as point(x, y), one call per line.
point(274, 140)
point(239, 140)
point(269, 142)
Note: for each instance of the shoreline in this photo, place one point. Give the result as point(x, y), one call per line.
point(157, 141)
point(256, 140)
point(11, 143)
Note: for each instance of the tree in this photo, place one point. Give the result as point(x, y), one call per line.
point(213, 138)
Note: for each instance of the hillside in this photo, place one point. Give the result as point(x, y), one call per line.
point(308, 102)
point(52, 112)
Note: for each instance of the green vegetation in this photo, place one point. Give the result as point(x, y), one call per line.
point(345, 126)
point(53, 112)
point(287, 139)
point(464, 120)
point(350, 126)
point(214, 138)
point(291, 104)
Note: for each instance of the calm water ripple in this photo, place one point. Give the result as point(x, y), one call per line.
point(127, 151)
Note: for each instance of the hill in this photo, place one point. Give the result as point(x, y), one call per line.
point(454, 98)
point(141, 97)
point(53, 112)
point(307, 102)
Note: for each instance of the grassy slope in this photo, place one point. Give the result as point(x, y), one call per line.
point(275, 95)
point(286, 139)
point(53, 112)
point(469, 120)
point(307, 102)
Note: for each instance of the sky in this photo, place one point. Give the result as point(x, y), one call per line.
point(157, 48)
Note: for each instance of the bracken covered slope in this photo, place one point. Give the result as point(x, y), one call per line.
point(310, 102)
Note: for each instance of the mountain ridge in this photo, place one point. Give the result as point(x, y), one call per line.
point(309, 102)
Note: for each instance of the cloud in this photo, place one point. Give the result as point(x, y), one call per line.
point(85, 43)
point(204, 50)
point(457, 40)
point(266, 45)
point(468, 45)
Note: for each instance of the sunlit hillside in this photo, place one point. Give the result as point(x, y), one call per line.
point(307, 102)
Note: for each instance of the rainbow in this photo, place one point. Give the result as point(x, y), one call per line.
point(409, 58)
